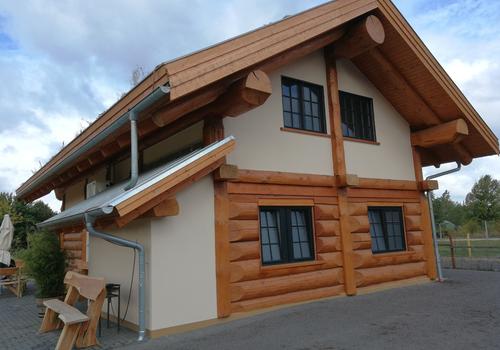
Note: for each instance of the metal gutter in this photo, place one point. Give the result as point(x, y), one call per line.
point(146, 102)
point(433, 222)
point(89, 224)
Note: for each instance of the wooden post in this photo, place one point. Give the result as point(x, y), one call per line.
point(452, 251)
point(339, 169)
point(430, 256)
point(469, 246)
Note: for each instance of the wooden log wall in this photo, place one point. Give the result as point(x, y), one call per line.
point(255, 286)
point(74, 243)
point(386, 267)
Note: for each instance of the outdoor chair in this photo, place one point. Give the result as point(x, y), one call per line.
point(77, 328)
point(11, 278)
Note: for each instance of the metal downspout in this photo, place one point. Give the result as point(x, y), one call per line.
point(433, 222)
point(134, 151)
point(89, 223)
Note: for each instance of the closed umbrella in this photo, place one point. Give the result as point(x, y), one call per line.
point(6, 234)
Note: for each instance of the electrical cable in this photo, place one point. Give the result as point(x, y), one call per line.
point(130, 290)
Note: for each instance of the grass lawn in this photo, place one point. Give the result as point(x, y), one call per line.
point(480, 248)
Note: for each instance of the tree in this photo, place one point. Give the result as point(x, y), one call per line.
point(483, 201)
point(24, 216)
point(446, 209)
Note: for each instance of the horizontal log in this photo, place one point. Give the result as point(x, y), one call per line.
point(362, 244)
point(363, 36)
point(446, 133)
point(328, 244)
point(412, 209)
point(359, 224)
point(326, 212)
point(244, 251)
point(284, 284)
point(243, 211)
point(74, 254)
point(368, 194)
point(248, 270)
point(72, 245)
point(294, 297)
point(243, 230)
point(226, 172)
point(414, 237)
point(375, 275)
point(366, 259)
point(76, 236)
point(327, 228)
point(284, 178)
point(358, 209)
point(386, 184)
point(283, 190)
point(413, 222)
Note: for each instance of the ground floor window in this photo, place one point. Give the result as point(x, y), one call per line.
point(386, 229)
point(286, 234)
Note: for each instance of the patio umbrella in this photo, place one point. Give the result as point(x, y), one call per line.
point(6, 234)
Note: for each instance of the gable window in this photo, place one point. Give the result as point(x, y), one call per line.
point(386, 229)
point(357, 116)
point(285, 235)
point(303, 105)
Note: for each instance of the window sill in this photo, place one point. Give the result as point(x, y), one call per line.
point(401, 253)
point(305, 132)
point(291, 265)
point(352, 139)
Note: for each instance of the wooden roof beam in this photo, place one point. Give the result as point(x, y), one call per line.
point(363, 36)
point(446, 133)
point(169, 207)
point(246, 94)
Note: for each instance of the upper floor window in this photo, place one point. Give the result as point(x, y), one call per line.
point(286, 234)
point(357, 116)
point(386, 229)
point(303, 105)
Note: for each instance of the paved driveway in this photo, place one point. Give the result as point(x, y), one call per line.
point(461, 313)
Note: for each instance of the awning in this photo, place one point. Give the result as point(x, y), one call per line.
point(115, 200)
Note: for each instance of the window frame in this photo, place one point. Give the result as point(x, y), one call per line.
point(371, 118)
point(382, 209)
point(319, 89)
point(285, 233)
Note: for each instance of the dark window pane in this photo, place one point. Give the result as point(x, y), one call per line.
point(287, 117)
point(357, 116)
point(302, 100)
point(386, 229)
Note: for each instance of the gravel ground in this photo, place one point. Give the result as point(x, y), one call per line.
point(461, 313)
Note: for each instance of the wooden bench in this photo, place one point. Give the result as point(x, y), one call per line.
point(11, 278)
point(78, 328)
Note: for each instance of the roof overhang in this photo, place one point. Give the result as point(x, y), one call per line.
point(199, 80)
point(153, 188)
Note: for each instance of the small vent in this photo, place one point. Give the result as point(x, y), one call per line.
point(91, 189)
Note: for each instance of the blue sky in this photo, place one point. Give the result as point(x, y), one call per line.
point(63, 63)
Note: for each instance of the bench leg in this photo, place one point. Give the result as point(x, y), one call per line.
point(50, 321)
point(68, 337)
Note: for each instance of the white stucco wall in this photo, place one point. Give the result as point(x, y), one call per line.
point(261, 145)
point(392, 159)
point(115, 264)
point(183, 260)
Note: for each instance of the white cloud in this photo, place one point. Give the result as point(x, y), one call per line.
point(66, 62)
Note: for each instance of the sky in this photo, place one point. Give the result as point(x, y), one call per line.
point(63, 63)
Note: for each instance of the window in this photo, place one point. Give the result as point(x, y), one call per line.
point(357, 116)
point(285, 235)
point(386, 229)
point(303, 105)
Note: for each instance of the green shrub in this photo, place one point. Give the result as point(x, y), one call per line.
point(45, 262)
